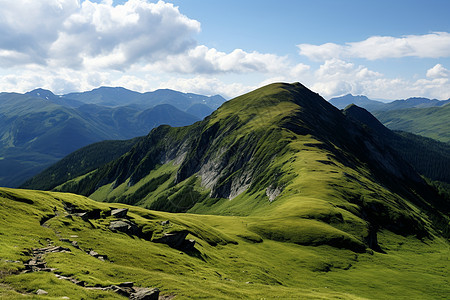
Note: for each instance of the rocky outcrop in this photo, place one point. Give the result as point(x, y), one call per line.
point(37, 262)
point(145, 294)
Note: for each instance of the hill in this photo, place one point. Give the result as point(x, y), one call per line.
point(281, 150)
point(362, 101)
point(35, 131)
point(64, 245)
point(79, 162)
point(432, 122)
point(423, 116)
point(276, 194)
point(429, 157)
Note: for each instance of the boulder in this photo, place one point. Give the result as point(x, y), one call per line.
point(145, 294)
point(119, 212)
point(176, 240)
point(41, 292)
point(125, 226)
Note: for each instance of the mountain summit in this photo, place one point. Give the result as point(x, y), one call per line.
point(283, 155)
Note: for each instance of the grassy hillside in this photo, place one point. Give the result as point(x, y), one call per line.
point(432, 122)
point(232, 258)
point(429, 157)
point(283, 153)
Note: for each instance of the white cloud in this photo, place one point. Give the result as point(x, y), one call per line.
point(206, 86)
point(433, 45)
point(204, 60)
point(92, 35)
point(438, 71)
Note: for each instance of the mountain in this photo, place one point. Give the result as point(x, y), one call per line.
point(432, 122)
point(36, 131)
point(276, 194)
point(281, 150)
point(129, 121)
point(421, 116)
point(106, 96)
point(429, 157)
point(362, 101)
point(372, 105)
point(199, 110)
point(117, 96)
point(79, 162)
point(415, 102)
point(48, 95)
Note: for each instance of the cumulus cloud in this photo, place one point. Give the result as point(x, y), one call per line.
point(206, 85)
point(204, 60)
point(336, 77)
point(438, 71)
point(97, 35)
point(433, 45)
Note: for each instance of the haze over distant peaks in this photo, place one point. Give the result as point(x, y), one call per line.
point(374, 105)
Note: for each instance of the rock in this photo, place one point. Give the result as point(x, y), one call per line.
point(176, 240)
point(41, 292)
point(125, 226)
point(119, 213)
point(145, 294)
point(126, 284)
point(90, 215)
point(124, 291)
point(75, 244)
point(64, 240)
point(166, 222)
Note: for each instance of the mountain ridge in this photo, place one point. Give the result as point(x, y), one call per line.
point(35, 131)
point(244, 159)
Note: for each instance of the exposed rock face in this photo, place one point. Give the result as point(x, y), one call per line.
point(145, 294)
point(273, 191)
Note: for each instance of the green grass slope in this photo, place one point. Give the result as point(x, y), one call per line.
point(233, 257)
point(284, 154)
point(429, 157)
point(432, 122)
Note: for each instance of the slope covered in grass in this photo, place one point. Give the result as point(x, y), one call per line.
point(432, 122)
point(232, 258)
point(284, 154)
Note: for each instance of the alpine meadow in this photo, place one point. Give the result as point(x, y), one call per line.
point(159, 150)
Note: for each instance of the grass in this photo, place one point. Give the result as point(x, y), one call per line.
point(309, 241)
point(235, 257)
point(431, 122)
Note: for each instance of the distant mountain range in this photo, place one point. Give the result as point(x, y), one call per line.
point(38, 128)
point(374, 105)
point(423, 116)
point(118, 96)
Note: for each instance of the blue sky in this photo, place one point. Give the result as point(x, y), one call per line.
point(382, 49)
